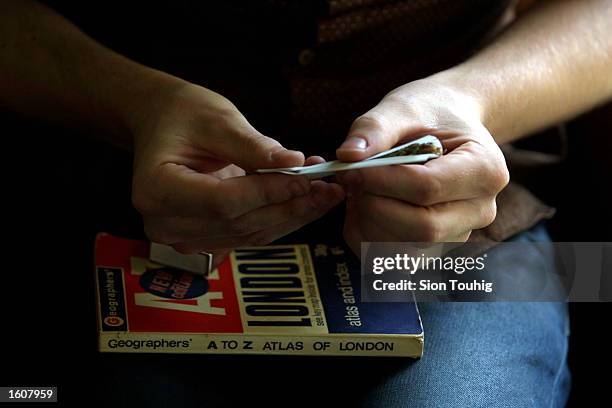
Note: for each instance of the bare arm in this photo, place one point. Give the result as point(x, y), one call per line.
point(552, 64)
point(52, 70)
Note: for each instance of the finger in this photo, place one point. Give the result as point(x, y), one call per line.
point(468, 172)
point(373, 232)
point(437, 223)
point(323, 196)
point(377, 233)
point(219, 256)
point(179, 190)
point(329, 200)
point(240, 195)
point(358, 230)
point(239, 143)
point(170, 230)
point(375, 132)
point(331, 195)
point(314, 160)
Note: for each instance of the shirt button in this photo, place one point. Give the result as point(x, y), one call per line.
point(306, 57)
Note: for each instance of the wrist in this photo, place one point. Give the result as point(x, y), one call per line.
point(469, 95)
point(497, 111)
point(145, 100)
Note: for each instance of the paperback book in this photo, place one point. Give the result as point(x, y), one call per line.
point(292, 299)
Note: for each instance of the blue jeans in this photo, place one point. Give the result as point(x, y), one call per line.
point(504, 354)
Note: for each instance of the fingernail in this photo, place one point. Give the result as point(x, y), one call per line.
point(354, 143)
point(281, 154)
point(297, 189)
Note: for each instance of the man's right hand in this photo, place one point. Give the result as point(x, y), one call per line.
point(192, 153)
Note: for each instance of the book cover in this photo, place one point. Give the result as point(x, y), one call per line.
point(278, 299)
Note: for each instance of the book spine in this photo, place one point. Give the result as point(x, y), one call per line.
point(200, 343)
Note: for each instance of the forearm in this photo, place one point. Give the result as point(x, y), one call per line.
point(50, 69)
point(551, 65)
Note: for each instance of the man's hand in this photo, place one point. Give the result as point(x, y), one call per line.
point(189, 182)
point(442, 200)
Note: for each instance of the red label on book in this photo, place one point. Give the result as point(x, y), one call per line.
point(214, 310)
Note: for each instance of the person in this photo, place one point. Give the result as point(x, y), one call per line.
point(194, 149)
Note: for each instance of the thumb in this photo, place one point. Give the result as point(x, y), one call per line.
point(250, 150)
point(371, 133)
